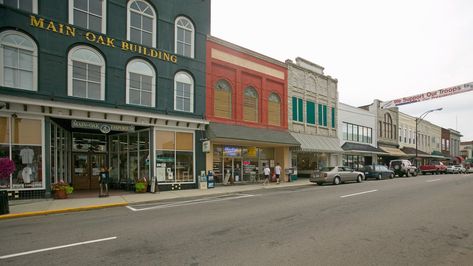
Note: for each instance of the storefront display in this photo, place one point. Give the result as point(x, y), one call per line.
point(21, 140)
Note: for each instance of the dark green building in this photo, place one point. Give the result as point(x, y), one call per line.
point(88, 84)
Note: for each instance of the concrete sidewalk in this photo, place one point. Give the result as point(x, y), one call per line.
point(23, 208)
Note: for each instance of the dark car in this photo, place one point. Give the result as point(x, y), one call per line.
point(377, 171)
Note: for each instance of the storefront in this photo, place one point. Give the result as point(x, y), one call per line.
point(238, 154)
point(357, 155)
point(21, 140)
point(315, 152)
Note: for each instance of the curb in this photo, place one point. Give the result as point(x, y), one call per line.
point(78, 209)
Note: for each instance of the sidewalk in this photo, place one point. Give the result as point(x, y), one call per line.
point(23, 208)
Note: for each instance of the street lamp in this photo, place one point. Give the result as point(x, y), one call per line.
point(418, 120)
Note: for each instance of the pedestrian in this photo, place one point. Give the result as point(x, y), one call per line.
point(277, 171)
point(104, 180)
point(266, 172)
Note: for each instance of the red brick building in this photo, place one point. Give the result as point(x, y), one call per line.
point(246, 105)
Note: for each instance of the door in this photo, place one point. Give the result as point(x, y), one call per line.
point(227, 170)
point(86, 170)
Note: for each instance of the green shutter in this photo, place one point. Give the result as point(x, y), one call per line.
point(310, 112)
point(333, 117)
point(320, 115)
point(325, 115)
point(300, 109)
point(294, 109)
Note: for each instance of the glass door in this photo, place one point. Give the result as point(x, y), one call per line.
point(86, 170)
point(227, 170)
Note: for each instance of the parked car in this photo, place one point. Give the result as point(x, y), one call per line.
point(460, 168)
point(451, 169)
point(403, 167)
point(336, 175)
point(377, 171)
point(433, 167)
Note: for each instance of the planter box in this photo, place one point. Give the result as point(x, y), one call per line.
point(59, 194)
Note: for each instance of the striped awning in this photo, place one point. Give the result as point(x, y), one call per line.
point(316, 143)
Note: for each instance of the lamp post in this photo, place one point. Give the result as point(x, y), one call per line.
point(418, 120)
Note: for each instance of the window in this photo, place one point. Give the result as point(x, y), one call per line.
point(18, 61)
point(141, 23)
point(250, 105)
point(86, 71)
point(184, 33)
point(356, 133)
point(323, 115)
point(89, 14)
point(274, 110)
point(388, 126)
point(140, 83)
point(310, 112)
point(25, 5)
point(183, 92)
point(333, 118)
point(223, 99)
point(297, 109)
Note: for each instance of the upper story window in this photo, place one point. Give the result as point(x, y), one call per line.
point(141, 23)
point(183, 92)
point(274, 110)
point(89, 14)
point(322, 115)
point(223, 99)
point(86, 72)
point(297, 109)
point(140, 83)
point(26, 5)
point(18, 61)
point(357, 133)
point(250, 105)
point(184, 33)
point(388, 126)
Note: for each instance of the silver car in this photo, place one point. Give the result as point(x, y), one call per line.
point(336, 175)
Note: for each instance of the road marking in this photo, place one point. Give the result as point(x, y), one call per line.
point(359, 193)
point(433, 180)
point(191, 202)
point(58, 247)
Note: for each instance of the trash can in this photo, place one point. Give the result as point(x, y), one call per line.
point(202, 180)
point(289, 172)
point(4, 208)
point(210, 180)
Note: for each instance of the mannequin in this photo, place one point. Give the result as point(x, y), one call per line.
point(104, 180)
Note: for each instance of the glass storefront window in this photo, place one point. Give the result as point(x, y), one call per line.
point(307, 162)
point(4, 146)
point(174, 156)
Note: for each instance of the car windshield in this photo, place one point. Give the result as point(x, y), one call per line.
point(326, 169)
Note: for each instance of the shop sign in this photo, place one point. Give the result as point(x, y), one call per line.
point(69, 30)
point(206, 146)
point(103, 127)
point(231, 151)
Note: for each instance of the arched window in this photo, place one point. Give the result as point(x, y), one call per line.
point(26, 5)
point(184, 37)
point(89, 14)
point(223, 99)
point(250, 105)
point(140, 83)
point(388, 126)
point(274, 110)
point(18, 61)
point(141, 23)
point(86, 72)
point(183, 92)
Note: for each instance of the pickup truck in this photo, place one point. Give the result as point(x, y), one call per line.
point(433, 168)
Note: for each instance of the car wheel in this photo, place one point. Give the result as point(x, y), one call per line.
point(336, 180)
point(380, 176)
point(391, 176)
point(359, 178)
point(407, 174)
point(415, 173)
point(320, 183)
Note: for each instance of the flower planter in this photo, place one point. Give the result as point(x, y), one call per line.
point(141, 187)
point(60, 194)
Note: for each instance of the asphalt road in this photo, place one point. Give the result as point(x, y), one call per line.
point(423, 220)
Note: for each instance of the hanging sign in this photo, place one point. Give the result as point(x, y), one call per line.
point(429, 95)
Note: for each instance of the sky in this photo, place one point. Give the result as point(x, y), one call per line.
point(376, 49)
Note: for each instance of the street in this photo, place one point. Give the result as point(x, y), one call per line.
point(423, 220)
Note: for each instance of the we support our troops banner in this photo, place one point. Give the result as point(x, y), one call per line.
point(429, 95)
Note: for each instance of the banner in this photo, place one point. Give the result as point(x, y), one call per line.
point(429, 95)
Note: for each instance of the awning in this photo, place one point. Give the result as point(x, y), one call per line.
point(217, 131)
point(361, 148)
point(393, 151)
point(317, 143)
point(460, 159)
point(412, 152)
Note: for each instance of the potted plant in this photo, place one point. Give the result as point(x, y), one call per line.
point(141, 185)
point(7, 167)
point(61, 189)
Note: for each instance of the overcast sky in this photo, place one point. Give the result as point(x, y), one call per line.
point(376, 49)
